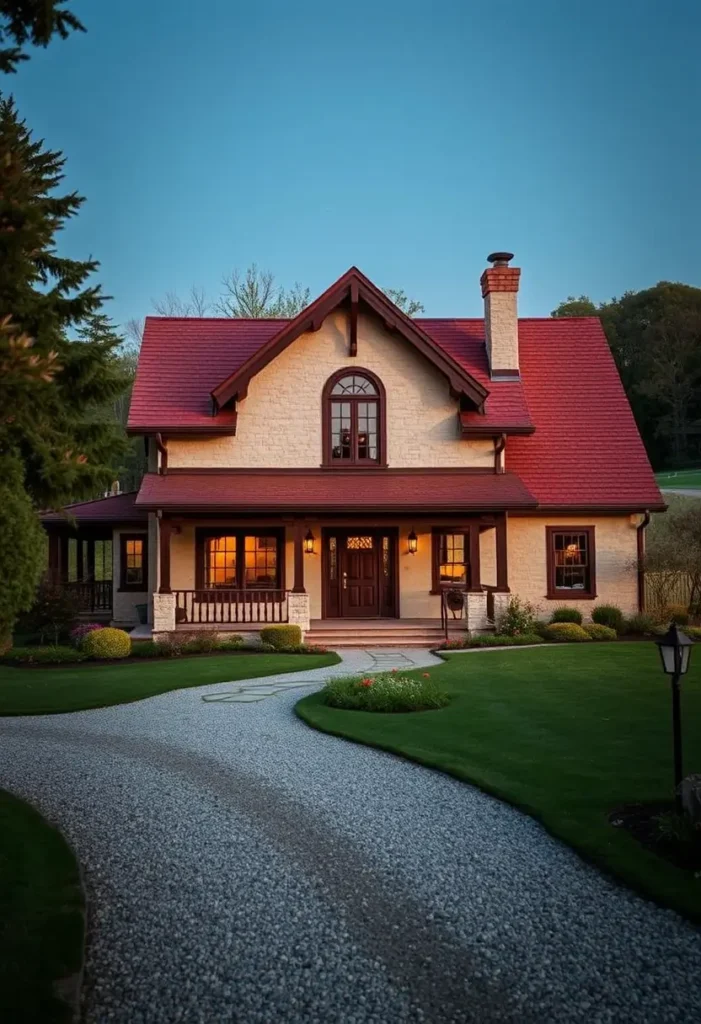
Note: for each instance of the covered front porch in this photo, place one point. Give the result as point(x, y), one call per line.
point(371, 579)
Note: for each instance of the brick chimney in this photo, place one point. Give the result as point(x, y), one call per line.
point(499, 291)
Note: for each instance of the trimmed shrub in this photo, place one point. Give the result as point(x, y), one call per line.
point(518, 617)
point(281, 636)
point(596, 631)
point(565, 633)
point(53, 613)
point(608, 615)
point(504, 640)
point(678, 613)
point(261, 648)
point(566, 614)
point(385, 692)
point(82, 631)
point(107, 643)
point(41, 656)
point(642, 624)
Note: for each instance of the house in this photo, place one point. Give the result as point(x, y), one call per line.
point(371, 476)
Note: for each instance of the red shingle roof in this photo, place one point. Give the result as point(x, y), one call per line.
point(334, 490)
point(118, 508)
point(585, 452)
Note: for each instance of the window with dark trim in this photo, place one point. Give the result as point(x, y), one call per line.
point(240, 559)
point(571, 562)
point(354, 420)
point(450, 556)
point(133, 562)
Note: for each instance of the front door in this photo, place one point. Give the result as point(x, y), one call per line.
point(359, 577)
point(359, 573)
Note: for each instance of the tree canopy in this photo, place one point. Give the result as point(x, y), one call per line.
point(655, 338)
point(34, 22)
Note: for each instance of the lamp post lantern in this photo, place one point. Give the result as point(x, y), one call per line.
point(675, 652)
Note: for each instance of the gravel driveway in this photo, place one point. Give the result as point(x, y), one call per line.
point(242, 867)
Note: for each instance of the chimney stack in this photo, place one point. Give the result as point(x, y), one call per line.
point(499, 291)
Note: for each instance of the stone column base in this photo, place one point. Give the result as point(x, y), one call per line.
point(163, 613)
point(298, 611)
point(476, 610)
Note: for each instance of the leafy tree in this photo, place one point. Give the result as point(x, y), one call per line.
point(399, 297)
point(581, 306)
point(22, 546)
point(52, 386)
point(32, 21)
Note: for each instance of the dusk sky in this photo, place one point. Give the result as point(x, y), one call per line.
point(410, 139)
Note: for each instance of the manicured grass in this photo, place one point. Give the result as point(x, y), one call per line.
point(41, 918)
point(565, 733)
point(45, 691)
point(679, 478)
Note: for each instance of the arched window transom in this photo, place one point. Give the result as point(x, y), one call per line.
point(354, 420)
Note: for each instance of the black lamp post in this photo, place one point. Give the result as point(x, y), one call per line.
point(675, 651)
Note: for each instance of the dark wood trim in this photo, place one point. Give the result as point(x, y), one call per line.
point(502, 553)
point(131, 587)
point(457, 471)
point(177, 430)
point(298, 540)
point(163, 449)
point(475, 577)
point(240, 532)
point(499, 446)
point(339, 466)
point(592, 510)
point(164, 531)
point(640, 545)
point(353, 348)
point(510, 374)
point(460, 381)
point(553, 594)
point(472, 430)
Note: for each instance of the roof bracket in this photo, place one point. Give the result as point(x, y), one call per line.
point(353, 349)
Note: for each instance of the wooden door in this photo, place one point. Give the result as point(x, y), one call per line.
point(359, 577)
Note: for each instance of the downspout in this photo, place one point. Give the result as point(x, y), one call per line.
point(499, 446)
point(641, 560)
point(160, 443)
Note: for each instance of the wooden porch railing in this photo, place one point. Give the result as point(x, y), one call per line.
point(230, 606)
point(91, 595)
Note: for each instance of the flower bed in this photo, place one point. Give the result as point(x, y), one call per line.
point(385, 692)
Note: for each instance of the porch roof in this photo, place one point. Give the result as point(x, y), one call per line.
point(308, 490)
point(114, 509)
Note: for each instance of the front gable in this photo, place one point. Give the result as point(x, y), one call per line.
point(357, 294)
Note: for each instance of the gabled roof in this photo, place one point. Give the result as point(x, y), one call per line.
point(117, 508)
point(305, 490)
point(355, 288)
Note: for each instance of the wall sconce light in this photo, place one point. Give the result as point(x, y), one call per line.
point(413, 543)
point(309, 543)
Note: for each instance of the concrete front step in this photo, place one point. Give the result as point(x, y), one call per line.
point(378, 639)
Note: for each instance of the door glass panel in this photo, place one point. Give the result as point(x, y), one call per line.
point(359, 543)
point(385, 557)
point(333, 558)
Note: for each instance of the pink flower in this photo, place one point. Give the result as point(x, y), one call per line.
point(395, 669)
point(426, 675)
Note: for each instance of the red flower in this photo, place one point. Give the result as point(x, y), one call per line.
point(366, 682)
point(427, 675)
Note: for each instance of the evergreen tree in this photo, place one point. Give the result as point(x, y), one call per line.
point(53, 386)
point(32, 21)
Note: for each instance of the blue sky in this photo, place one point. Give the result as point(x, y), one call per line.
point(409, 138)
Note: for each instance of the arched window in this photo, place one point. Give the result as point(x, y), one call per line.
point(354, 420)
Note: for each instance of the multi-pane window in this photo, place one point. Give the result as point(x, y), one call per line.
point(134, 562)
point(353, 424)
point(88, 560)
point(570, 561)
point(452, 559)
point(238, 560)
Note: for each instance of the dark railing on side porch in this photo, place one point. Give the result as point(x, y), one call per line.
point(90, 596)
point(213, 606)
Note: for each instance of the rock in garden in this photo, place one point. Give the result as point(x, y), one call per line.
point(690, 792)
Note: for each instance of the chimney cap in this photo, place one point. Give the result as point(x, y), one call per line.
point(500, 259)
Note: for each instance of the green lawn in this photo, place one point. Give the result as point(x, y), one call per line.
point(566, 733)
point(45, 691)
point(679, 478)
point(41, 917)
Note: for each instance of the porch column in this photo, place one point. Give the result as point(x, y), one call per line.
point(54, 556)
point(298, 587)
point(502, 592)
point(80, 568)
point(298, 609)
point(164, 531)
point(164, 600)
point(476, 597)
